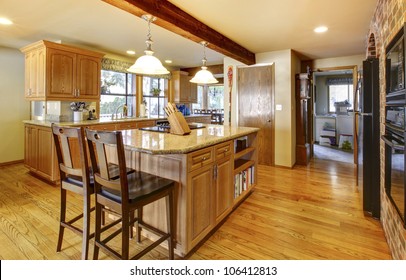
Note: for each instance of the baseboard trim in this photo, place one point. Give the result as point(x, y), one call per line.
point(11, 162)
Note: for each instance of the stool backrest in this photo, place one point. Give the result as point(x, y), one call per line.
point(99, 143)
point(71, 152)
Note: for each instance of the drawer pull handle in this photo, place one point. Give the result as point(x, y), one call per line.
point(204, 158)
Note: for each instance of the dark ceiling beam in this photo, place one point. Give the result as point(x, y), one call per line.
point(178, 21)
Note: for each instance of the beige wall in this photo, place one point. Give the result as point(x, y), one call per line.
point(339, 61)
point(13, 108)
point(284, 95)
point(234, 93)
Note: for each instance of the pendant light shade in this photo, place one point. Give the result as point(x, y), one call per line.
point(148, 64)
point(204, 76)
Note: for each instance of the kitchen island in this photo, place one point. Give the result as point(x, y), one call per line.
point(213, 177)
point(215, 168)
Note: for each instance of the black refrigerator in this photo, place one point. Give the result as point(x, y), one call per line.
point(369, 138)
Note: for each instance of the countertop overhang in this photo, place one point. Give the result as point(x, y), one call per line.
point(166, 143)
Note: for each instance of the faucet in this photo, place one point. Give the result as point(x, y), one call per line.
point(124, 114)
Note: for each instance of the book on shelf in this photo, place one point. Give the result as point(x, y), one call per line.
point(243, 181)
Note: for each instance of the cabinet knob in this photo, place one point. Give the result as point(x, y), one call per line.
point(268, 120)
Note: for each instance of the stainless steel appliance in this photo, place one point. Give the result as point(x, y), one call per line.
point(369, 138)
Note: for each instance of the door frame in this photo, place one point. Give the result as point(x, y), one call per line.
point(354, 69)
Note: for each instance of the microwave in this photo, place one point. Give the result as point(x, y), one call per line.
point(395, 68)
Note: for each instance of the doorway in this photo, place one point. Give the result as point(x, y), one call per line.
point(256, 107)
point(334, 129)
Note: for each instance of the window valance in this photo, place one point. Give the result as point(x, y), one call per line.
point(338, 81)
point(122, 66)
point(115, 65)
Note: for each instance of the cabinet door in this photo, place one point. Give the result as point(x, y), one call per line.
point(35, 74)
point(200, 196)
point(184, 89)
point(87, 77)
point(223, 188)
point(61, 72)
point(30, 74)
point(193, 93)
point(30, 147)
point(46, 153)
point(40, 75)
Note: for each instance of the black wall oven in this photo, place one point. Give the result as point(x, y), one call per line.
point(395, 169)
point(395, 130)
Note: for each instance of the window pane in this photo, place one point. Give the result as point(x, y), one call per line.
point(216, 97)
point(112, 82)
point(109, 104)
point(340, 93)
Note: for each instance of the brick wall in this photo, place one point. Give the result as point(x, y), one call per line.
point(387, 20)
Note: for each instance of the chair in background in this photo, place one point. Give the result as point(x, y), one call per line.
point(124, 195)
point(75, 176)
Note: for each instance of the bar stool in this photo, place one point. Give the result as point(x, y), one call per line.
point(124, 194)
point(75, 176)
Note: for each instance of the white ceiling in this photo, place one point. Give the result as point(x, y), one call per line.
point(258, 25)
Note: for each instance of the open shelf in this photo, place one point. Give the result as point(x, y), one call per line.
point(242, 164)
point(243, 152)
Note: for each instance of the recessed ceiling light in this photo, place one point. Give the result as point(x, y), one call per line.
point(168, 61)
point(130, 52)
point(5, 21)
point(320, 29)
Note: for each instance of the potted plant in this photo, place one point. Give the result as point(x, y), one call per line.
point(155, 91)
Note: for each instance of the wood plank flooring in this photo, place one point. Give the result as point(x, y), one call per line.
point(311, 212)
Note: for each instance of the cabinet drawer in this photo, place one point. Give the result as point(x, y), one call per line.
point(223, 150)
point(126, 125)
point(200, 158)
point(102, 127)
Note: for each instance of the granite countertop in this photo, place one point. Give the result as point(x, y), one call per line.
point(100, 121)
point(166, 143)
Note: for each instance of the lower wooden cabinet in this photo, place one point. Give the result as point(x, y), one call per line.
point(40, 154)
point(200, 188)
point(210, 189)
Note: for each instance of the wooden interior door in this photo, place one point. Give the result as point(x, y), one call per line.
point(256, 107)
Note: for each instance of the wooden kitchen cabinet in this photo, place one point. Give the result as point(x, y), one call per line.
point(183, 91)
point(210, 188)
point(61, 72)
point(201, 201)
point(40, 154)
point(223, 181)
point(35, 74)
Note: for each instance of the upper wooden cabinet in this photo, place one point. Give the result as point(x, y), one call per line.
point(183, 91)
point(60, 72)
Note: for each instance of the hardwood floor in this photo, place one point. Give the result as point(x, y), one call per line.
point(309, 212)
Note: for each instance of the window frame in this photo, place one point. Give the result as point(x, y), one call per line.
point(129, 93)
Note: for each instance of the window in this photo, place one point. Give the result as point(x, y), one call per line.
point(340, 93)
point(117, 89)
point(210, 97)
point(154, 96)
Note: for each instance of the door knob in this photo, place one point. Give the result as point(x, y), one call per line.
point(268, 120)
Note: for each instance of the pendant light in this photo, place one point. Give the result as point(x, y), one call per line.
point(204, 76)
point(148, 64)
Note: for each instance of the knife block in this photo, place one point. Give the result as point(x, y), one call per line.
point(178, 124)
